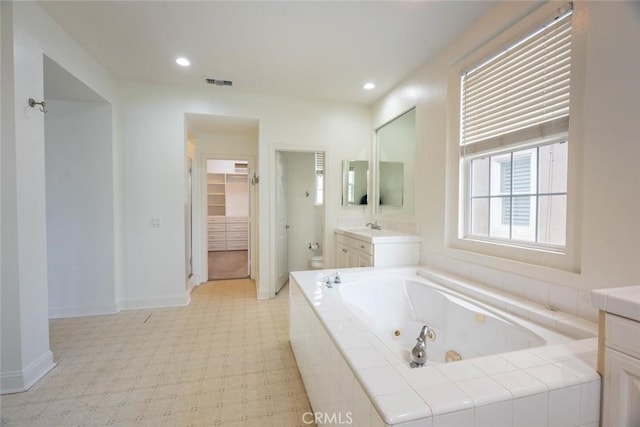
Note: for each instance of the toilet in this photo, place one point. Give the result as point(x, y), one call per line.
point(317, 262)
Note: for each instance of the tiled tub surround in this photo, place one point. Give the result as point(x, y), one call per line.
point(348, 370)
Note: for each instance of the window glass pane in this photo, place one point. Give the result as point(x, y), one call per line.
point(500, 218)
point(524, 218)
point(480, 177)
point(480, 217)
point(553, 168)
point(552, 225)
point(501, 174)
point(524, 171)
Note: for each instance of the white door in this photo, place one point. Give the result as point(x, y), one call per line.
point(282, 249)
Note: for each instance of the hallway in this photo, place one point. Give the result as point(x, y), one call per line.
point(223, 360)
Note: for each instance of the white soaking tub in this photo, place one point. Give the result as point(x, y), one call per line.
point(352, 343)
point(396, 309)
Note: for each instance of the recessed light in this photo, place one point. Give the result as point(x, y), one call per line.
point(369, 86)
point(182, 61)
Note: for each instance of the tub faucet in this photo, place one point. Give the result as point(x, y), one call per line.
point(374, 225)
point(419, 351)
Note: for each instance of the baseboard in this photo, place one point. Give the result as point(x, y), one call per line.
point(19, 381)
point(156, 302)
point(94, 310)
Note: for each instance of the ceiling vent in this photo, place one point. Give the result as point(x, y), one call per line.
point(218, 82)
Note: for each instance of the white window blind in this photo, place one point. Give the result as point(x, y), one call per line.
point(522, 93)
point(319, 162)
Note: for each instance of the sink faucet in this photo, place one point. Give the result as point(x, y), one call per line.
point(374, 225)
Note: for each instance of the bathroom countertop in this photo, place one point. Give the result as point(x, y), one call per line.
point(623, 301)
point(378, 236)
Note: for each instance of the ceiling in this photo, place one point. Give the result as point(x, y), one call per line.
point(309, 49)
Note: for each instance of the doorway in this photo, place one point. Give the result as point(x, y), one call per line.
point(79, 182)
point(228, 212)
point(299, 212)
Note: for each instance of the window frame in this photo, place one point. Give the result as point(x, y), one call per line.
point(493, 33)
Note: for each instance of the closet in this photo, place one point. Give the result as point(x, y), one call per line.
point(227, 218)
point(228, 225)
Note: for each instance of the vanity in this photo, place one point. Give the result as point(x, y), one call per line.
point(365, 247)
point(619, 354)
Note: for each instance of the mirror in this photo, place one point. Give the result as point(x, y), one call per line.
point(396, 150)
point(355, 176)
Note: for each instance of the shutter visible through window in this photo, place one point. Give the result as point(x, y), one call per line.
point(319, 161)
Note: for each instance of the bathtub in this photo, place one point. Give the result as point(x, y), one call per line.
point(352, 343)
point(395, 309)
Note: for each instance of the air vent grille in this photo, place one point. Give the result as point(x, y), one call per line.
point(218, 82)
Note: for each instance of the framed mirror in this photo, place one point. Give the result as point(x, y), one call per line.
point(395, 151)
point(355, 176)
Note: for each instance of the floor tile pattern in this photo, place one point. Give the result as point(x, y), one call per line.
point(223, 360)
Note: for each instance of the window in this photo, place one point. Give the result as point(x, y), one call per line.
point(319, 168)
point(514, 138)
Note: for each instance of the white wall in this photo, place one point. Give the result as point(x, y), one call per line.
point(153, 129)
point(604, 135)
point(79, 191)
point(27, 34)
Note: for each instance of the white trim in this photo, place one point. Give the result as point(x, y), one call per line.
point(156, 302)
point(19, 381)
point(91, 310)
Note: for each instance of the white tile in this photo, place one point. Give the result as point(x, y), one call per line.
point(590, 402)
point(553, 376)
point(523, 359)
point(454, 419)
point(519, 383)
point(553, 353)
point(513, 284)
point(421, 377)
point(424, 422)
point(581, 369)
point(585, 309)
point(564, 407)
point(484, 390)
point(362, 406)
point(530, 411)
point(445, 398)
point(351, 339)
point(365, 357)
point(491, 365)
point(495, 278)
point(536, 291)
point(376, 419)
point(373, 339)
point(400, 407)
point(458, 371)
point(564, 298)
point(390, 356)
point(382, 380)
point(494, 415)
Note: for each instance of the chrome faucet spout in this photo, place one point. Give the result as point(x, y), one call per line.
point(374, 225)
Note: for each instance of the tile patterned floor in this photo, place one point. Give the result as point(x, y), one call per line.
point(224, 360)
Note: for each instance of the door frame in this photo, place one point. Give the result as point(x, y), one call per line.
point(200, 229)
point(273, 243)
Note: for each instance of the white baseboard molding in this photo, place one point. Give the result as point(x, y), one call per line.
point(95, 310)
point(19, 381)
point(156, 302)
